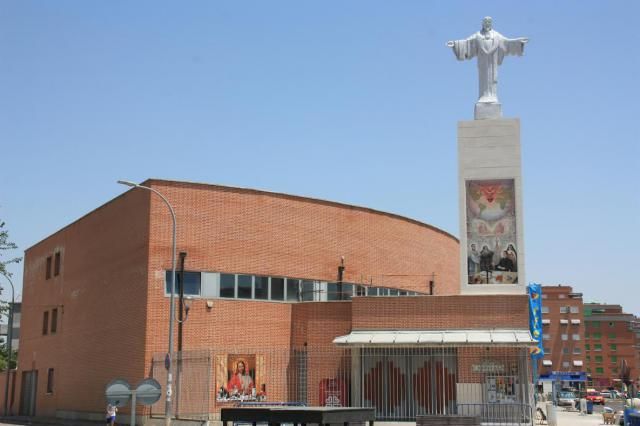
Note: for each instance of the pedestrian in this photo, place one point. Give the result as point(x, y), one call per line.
point(112, 409)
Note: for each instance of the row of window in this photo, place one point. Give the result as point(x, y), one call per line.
point(598, 358)
point(576, 336)
point(53, 263)
point(596, 324)
point(598, 335)
point(563, 309)
point(565, 351)
point(597, 347)
point(241, 286)
point(600, 370)
point(50, 322)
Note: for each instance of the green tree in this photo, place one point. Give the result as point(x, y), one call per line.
point(4, 357)
point(6, 246)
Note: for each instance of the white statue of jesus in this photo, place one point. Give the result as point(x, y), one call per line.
point(490, 47)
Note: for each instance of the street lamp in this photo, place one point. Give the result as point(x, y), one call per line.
point(9, 349)
point(167, 408)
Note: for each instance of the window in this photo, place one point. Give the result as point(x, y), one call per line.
point(564, 309)
point(596, 335)
point(48, 268)
point(45, 323)
point(544, 296)
point(587, 335)
point(575, 336)
point(612, 335)
point(574, 309)
point(372, 291)
point(56, 265)
point(332, 291)
point(262, 288)
point(595, 324)
point(308, 290)
point(545, 336)
point(50, 380)
point(565, 364)
point(564, 336)
point(547, 350)
point(613, 347)
point(588, 312)
point(597, 347)
point(545, 309)
point(599, 370)
point(192, 283)
point(588, 357)
point(245, 283)
point(293, 289)
point(54, 320)
point(599, 358)
point(227, 285)
point(614, 359)
point(589, 370)
point(565, 351)
point(577, 351)
point(587, 347)
point(614, 370)
point(277, 288)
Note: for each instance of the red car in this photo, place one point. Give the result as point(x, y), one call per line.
point(595, 397)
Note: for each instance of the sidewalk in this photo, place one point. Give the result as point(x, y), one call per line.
point(574, 418)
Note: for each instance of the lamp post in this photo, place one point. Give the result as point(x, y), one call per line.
point(9, 349)
point(167, 408)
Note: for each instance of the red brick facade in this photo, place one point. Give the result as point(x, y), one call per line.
point(112, 314)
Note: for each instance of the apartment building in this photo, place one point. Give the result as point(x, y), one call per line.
point(563, 334)
point(611, 345)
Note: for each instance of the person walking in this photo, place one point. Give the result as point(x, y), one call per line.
point(112, 409)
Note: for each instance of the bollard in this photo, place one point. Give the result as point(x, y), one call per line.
point(552, 418)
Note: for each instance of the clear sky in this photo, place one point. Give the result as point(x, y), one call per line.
point(351, 101)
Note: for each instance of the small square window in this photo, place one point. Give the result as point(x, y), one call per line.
point(56, 265)
point(599, 370)
point(50, 380)
point(614, 359)
point(192, 282)
point(546, 337)
point(49, 262)
point(262, 288)
point(277, 288)
point(613, 347)
point(564, 336)
point(244, 286)
point(612, 335)
point(565, 350)
point(575, 337)
point(574, 309)
point(545, 309)
point(228, 285)
point(564, 309)
point(577, 351)
point(565, 364)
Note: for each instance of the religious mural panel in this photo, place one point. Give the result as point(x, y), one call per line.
point(237, 375)
point(492, 256)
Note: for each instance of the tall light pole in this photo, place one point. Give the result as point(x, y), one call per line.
point(9, 349)
point(167, 408)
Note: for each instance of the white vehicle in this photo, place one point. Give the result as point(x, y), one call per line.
point(566, 398)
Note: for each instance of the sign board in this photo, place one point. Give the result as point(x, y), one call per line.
point(148, 392)
point(118, 393)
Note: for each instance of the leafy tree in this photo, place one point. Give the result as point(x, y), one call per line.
point(6, 245)
point(4, 357)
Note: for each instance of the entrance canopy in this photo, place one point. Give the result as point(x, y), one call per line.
point(501, 337)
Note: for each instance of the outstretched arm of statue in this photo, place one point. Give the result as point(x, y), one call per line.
point(451, 43)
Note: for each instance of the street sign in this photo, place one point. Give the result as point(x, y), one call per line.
point(118, 393)
point(148, 392)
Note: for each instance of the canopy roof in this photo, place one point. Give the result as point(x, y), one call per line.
point(502, 337)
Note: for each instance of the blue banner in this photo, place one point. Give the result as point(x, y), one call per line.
point(535, 318)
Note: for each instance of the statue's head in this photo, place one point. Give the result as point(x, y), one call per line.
point(487, 23)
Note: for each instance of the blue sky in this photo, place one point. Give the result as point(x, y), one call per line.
point(352, 101)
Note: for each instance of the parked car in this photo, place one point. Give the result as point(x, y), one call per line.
point(607, 394)
point(595, 397)
point(566, 398)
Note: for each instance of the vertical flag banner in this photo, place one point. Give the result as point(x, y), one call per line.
point(535, 318)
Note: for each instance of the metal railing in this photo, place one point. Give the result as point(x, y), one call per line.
point(400, 383)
